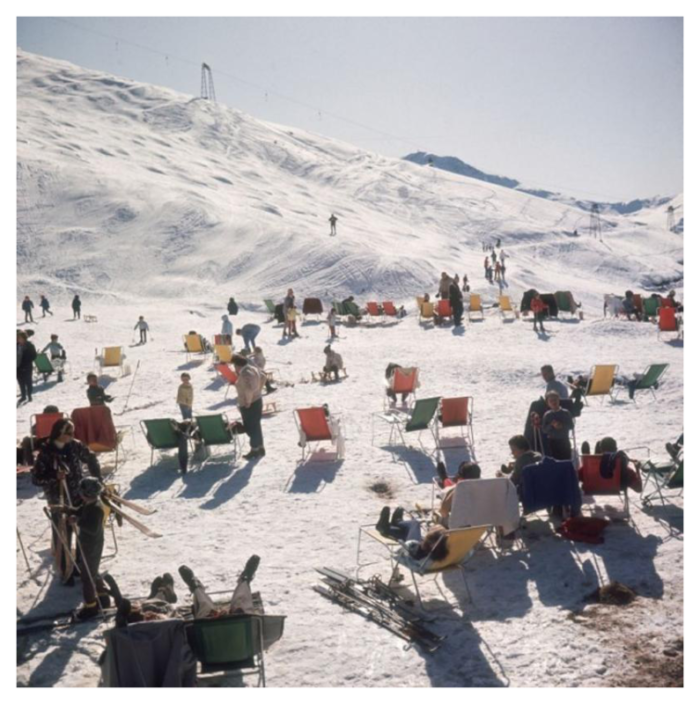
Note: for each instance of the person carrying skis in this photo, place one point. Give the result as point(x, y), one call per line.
point(249, 332)
point(76, 305)
point(333, 365)
point(45, 305)
point(185, 396)
point(26, 354)
point(232, 307)
point(333, 220)
point(249, 387)
point(539, 310)
point(95, 393)
point(57, 355)
point(226, 328)
point(27, 305)
point(143, 329)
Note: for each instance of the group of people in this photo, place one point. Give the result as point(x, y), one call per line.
point(28, 306)
point(449, 288)
point(495, 266)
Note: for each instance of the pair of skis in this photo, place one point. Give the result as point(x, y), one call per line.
point(116, 503)
point(377, 602)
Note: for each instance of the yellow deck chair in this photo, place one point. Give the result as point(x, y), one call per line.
point(193, 344)
point(419, 303)
point(224, 353)
point(461, 543)
point(427, 310)
point(112, 357)
point(475, 305)
point(601, 380)
point(506, 306)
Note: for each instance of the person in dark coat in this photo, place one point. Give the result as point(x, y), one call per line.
point(27, 305)
point(26, 354)
point(456, 302)
point(557, 423)
point(76, 305)
point(45, 305)
point(95, 393)
point(232, 307)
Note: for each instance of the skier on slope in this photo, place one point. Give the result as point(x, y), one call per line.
point(143, 329)
point(76, 305)
point(333, 220)
point(45, 306)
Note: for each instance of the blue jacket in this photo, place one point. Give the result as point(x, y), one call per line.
point(550, 483)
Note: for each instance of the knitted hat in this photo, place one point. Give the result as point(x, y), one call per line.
point(91, 487)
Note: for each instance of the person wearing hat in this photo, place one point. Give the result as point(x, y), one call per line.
point(90, 518)
point(334, 363)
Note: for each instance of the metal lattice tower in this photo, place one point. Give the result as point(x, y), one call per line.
point(596, 226)
point(207, 83)
point(670, 218)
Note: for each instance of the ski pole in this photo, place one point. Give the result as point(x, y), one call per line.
point(21, 544)
point(62, 540)
point(133, 379)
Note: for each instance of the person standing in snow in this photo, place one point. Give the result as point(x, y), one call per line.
point(456, 302)
point(232, 307)
point(249, 388)
point(57, 355)
point(465, 284)
point(185, 396)
point(143, 329)
point(258, 359)
point(498, 270)
point(539, 309)
point(76, 305)
point(26, 354)
point(486, 267)
point(553, 384)
point(292, 315)
point(493, 257)
point(333, 220)
point(27, 305)
point(287, 303)
point(333, 365)
point(557, 423)
point(444, 286)
point(226, 329)
point(332, 319)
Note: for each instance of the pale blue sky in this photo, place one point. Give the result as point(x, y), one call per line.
point(588, 106)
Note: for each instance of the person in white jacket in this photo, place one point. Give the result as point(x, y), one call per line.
point(334, 363)
point(226, 327)
point(249, 387)
point(142, 327)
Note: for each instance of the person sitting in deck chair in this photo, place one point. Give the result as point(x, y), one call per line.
point(25, 455)
point(467, 470)
point(629, 307)
point(95, 393)
point(409, 532)
point(388, 374)
point(522, 455)
point(674, 303)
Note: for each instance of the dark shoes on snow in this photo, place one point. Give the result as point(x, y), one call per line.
point(250, 569)
point(384, 521)
point(442, 473)
point(253, 454)
point(168, 588)
point(87, 611)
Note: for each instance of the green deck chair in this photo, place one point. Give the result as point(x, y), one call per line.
point(649, 379)
point(160, 435)
point(666, 476)
point(351, 308)
point(43, 365)
point(563, 301)
point(214, 430)
point(270, 306)
point(651, 307)
point(422, 418)
point(338, 308)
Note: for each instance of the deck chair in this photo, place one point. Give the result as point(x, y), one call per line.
point(443, 309)
point(43, 366)
point(40, 425)
point(475, 305)
point(223, 340)
point(351, 308)
point(404, 380)
point(95, 428)
point(223, 353)
point(373, 310)
point(427, 311)
point(593, 484)
point(651, 306)
point(456, 413)
point(461, 545)
point(315, 427)
point(638, 305)
point(389, 309)
point(419, 304)
point(228, 644)
point(422, 417)
point(505, 306)
point(111, 357)
point(665, 302)
point(666, 477)
point(270, 307)
point(668, 322)
point(160, 435)
point(651, 377)
point(216, 430)
point(193, 344)
point(600, 381)
point(312, 306)
point(228, 374)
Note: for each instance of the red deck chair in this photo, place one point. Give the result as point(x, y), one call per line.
point(404, 380)
point(222, 340)
point(94, 427)
point(665, 303)
point(457, 413)
point(314, 427)
point(444, 309)
point(669, 322)
point(389, 309)
point(374, 310)
point(595, 485)
point(40, 425)
point(638, 303)
point(228, 374)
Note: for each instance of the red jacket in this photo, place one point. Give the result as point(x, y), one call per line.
point(537, 305)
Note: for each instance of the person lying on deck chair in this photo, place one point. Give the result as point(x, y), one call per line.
point(467, 470)
point(241, 600)
point(409, 532)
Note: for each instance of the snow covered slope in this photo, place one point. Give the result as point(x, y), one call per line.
point(128, 189)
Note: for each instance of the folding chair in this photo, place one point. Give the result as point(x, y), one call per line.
point(427, 311)
point(223, 340)
point(668, 322)
point(666, 477)
point(312, 306)
point(404, 380)
point(228, 644)
point(228, 374)
point(651, 306)
point(41, 424)
point(593, 484)
point(43, 366)
point(475, 305)
point(315, 427)
point(638, 305)
point(160, 435)
point(650, 379)
point(95, 428)
point(270, 307)
point(373, 310)
point(216, 430)
point(600, 381)
point(422, 418)
point(389, 309)
point(461, 545)
point(444, 309)
point(505, 306)
point(420, 300)
point(111, 357)
point(193, 345)
point(223, 353)
point(456, 413)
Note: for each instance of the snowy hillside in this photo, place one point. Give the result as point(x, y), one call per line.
point(127, 189)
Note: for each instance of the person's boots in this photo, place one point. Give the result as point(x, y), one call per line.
point(87, 611)
point(250, 569)
point(113, 588)
point(156, 585)
point(188, 578)
point(397, 516)
point(442, 473)
point(585, 448)
point(168, 588)
point(384, 522)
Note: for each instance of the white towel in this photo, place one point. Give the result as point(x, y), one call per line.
point(480, 502)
